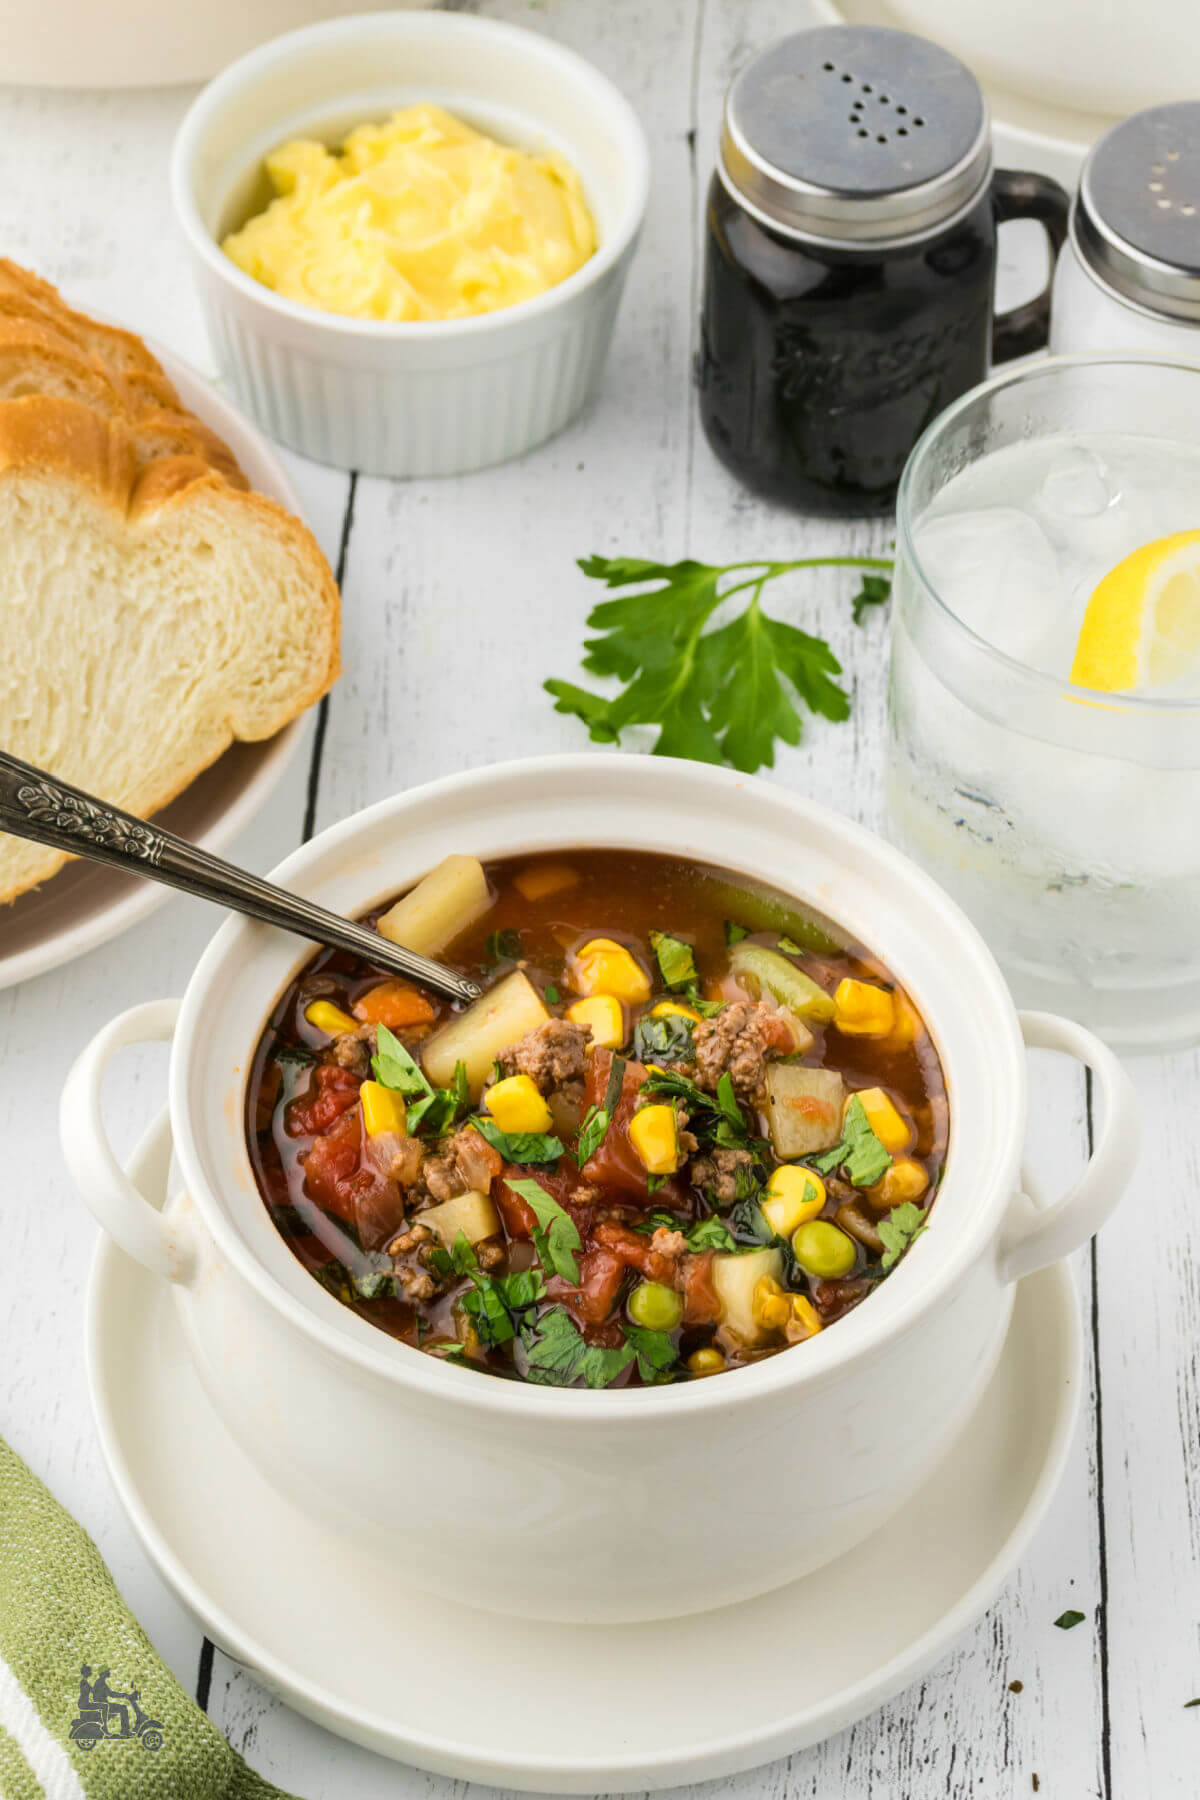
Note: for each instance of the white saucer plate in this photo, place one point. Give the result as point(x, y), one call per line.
point(566, 1709)
point(86, 905)
point(1028, 133)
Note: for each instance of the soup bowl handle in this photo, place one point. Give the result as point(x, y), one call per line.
point(1034, 1235)
point(160, 1242)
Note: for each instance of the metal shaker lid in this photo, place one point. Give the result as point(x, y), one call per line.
point(855, 134)
point(1136, 220)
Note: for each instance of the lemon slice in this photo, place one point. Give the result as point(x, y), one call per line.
point(1142, 624)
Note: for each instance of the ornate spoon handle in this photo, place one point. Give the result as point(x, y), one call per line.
point(38, 806)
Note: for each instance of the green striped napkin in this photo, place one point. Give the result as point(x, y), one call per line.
point(88, 1711)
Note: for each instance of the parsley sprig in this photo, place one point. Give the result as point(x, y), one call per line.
point(431, 1111)
point(720, 695)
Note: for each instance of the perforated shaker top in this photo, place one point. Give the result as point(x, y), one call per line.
point(1137, 218)
point(855, 134)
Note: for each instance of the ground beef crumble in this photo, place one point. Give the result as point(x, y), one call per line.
point(465, 1162)
point(735, 1039)
point(717, 1173)
point(551, 1054)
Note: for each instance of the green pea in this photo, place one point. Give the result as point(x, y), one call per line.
point(822, 1250)
point(655, 1306)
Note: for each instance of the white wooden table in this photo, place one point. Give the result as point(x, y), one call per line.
point(460, 597)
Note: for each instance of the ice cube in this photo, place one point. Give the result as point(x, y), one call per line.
point(995, 569)
point(1077, 485)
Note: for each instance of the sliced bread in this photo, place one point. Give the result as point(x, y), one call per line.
point(151, 613)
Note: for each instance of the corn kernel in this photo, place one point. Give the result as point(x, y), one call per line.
point(793, 1195)
point(605, 967)
point(604, 1017)
point(771, 1308)
point(863, 1010)
point(655, 1138)
point(805, 1314)
point(706, 1362)
point(673, 1009)
point(907, 1025)
point(885, 1119)
point(905, 1180)
point(516, 1105)
point(541, 880)
point(382, 1110)
point(330, 1019)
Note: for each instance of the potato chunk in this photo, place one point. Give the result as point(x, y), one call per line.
point(735, 1276)
point(442, 904)
point(476, 1037)
point(473, 1214)
point(804, 1109)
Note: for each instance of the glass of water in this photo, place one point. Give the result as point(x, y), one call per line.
point(1064, 819)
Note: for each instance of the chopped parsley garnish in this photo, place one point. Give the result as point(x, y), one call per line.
point(519, 1146)
point(494, 1303)
point(711, 1234)
point(898, 1229)
point(347, 1285)
point(437, 1110)
point(395, 1067)
point(591, 1133)
point(874, 591)
point(668, 1039)
point(860, 1155)
point(1067, 1620)
point(655, 1352)
point(504, 946)
point(718, 1120)
point(734, 933)
point(722, 695)
point(676, 960)
point(559, 1355)
point(555, 1237)
point(551, 993)
point(431, 1110)
point(616, 1086)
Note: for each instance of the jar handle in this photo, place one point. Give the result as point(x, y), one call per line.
point(1020, 194)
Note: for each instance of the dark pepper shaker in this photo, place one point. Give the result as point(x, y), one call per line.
point(851, 260)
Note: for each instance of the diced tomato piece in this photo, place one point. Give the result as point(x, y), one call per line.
point(615, 1164)
point(342, 1178)
point(700, 1303)
point(601, 1272)
point(331, 1091)
point(394, 1004)
point(634, 1250)
point(330, 1162)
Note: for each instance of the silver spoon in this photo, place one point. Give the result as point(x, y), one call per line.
point(41, 807)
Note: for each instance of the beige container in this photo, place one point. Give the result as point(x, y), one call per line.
point(144, 43)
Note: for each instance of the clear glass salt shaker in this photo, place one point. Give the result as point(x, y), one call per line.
point(1128, 277)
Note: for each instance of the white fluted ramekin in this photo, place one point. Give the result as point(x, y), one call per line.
point(389, 398)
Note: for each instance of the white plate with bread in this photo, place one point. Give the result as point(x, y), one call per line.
point(167, 619)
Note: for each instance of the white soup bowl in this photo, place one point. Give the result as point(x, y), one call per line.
point(623, 1505)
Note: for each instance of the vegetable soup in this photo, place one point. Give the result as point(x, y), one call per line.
point(688, 1125)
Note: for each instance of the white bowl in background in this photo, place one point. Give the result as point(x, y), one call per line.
point(394, 398)
point(1069, 53)
point(601, 1506)
point(142, 43)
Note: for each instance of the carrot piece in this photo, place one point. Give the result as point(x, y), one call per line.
point(394, 1004)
